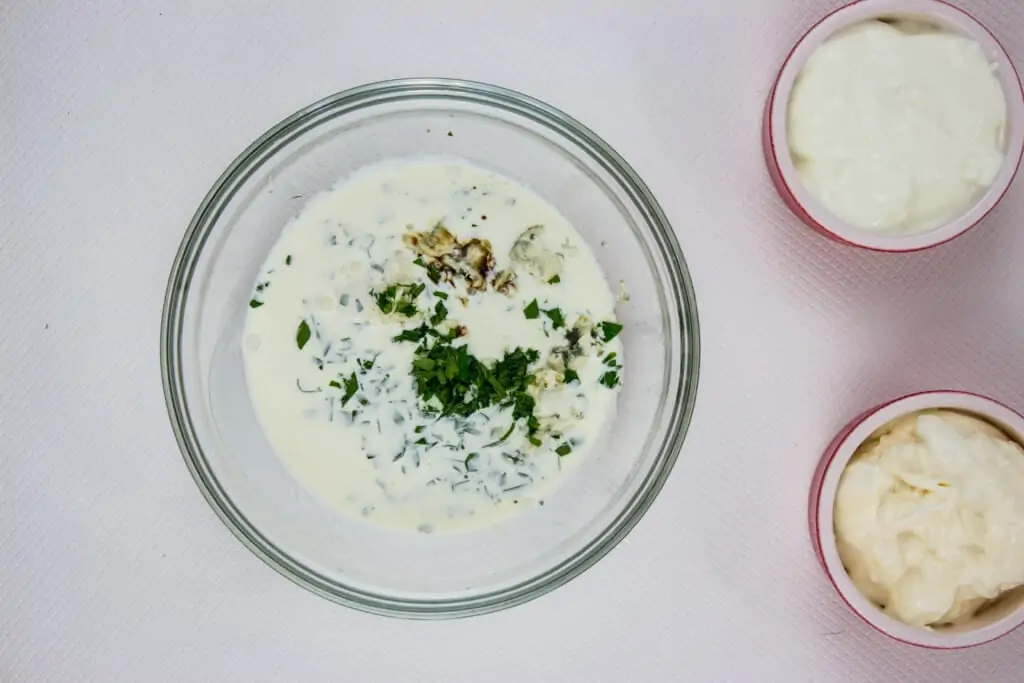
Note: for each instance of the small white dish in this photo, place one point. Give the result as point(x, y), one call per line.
point(995, 621)
point(775, 138)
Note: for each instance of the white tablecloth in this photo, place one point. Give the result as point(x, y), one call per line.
point(117, 116)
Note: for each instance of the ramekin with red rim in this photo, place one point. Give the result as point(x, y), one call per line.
point(997, 618)
point(776, 141)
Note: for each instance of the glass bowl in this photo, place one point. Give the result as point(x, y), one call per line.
point(232, 462)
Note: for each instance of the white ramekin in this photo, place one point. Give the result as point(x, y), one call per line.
point(775, 137)
point(992, 624)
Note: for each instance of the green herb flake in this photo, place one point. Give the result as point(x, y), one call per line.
point(532, 424)
point(532, 310)
point(386, 299)
point(609, 360)
point(368, 364)
point(571, 376)
point(351, 387)
point(554, 280)
point(419, 429)
point(334, 384)
point(255, 304)
point(288, 260)
point(302, 335)
point(440, 313)
point(399, 299)
point(609, 330)
point(563, 450)
point(416, 334)
point(610, 379)
point(440, 295)
point(557, 319)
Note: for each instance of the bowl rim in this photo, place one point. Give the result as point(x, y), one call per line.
point(677, 283)
point(822, 512)
point(776, 139)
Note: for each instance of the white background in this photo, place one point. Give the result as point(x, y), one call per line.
point(117, 116)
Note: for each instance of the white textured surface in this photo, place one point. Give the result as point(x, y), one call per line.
point(116, 116)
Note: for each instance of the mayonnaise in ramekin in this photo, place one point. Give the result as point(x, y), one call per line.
point(929, 517)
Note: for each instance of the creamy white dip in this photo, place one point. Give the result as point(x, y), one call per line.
point(400, 248)
point(897, 126)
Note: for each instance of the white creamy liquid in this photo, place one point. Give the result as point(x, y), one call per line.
point(897, 127)
point(929, 517)
point(378, 455)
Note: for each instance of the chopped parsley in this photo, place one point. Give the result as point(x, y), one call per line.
point(557, 319)
point(440, 313)
point(433, 272)
point(415, 334)
point(288, 260)
point(440, 295)
point(532, 310)
point(609, 330)
point(302, 335)
point(554, 280)
point(564, 449)
point(610, 379)
point(400, 299)
point(451, 381)
point(571, 376)
point(351, 387)
point(253, 303)
point(609, 360)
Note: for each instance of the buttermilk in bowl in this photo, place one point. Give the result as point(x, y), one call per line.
point(897, 126)
point(929, 517)
point(431, 346)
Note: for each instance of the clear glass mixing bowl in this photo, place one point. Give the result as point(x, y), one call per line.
point(204, 381)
